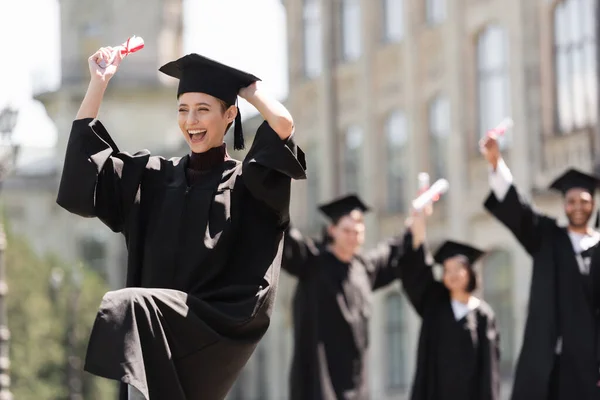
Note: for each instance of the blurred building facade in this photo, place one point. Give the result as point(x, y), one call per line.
point(138, 110)
point(382, 90)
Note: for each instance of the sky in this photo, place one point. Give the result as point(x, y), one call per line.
point(255, 41)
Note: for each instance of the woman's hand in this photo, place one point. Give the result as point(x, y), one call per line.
point(249, 91)
point(103, 56)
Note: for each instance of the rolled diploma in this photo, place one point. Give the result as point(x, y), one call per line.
point(439, 187)
point(131, 45)
point(423, 181)
point(503, 126)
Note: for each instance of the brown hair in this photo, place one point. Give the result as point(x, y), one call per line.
point(224, 107)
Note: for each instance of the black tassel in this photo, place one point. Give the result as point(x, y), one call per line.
point(597, 224)
point(238, 133)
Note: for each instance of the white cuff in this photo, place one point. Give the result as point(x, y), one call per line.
point(500, 180)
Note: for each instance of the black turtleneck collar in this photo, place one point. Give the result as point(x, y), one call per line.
point(199, 163)
point(209, 159)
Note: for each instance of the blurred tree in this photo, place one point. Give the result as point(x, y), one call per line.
point(38, 319)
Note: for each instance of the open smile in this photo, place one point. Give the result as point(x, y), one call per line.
point(197, 135)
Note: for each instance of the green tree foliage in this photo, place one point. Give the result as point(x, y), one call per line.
point(39, 320)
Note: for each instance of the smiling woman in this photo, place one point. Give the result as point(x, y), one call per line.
point(204, 244)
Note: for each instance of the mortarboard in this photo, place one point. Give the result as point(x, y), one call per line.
point(339, 207)
point(197, 73)
point(451, 249)
point(573, 178)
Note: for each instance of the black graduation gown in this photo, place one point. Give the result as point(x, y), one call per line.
point(203, 261)
point(455, 359)
point(560, 304)
point(331, 308)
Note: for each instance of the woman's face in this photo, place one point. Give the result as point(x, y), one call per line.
point(456, 276)
point(202, 120)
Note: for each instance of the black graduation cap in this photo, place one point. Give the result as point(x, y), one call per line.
point(339, 207)
point(573, 178)
point(451, 249)
point(197, 73)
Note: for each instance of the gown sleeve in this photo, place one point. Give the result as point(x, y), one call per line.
point(384, 261)
point(299, 253)
point(525, 223)
point(270, 165)
point(416, 274)
point(98, 180)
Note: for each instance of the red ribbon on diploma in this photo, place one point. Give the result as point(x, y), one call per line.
point(501, 128)
point(131, 45)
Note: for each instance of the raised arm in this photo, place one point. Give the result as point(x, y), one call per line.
point(274, 159)
point(275, 113)
point(97, 180)
point(299, 253)
point(416, 270)
point(383, 261)
point(505, 203)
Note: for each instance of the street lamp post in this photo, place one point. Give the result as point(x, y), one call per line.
point(8, 120)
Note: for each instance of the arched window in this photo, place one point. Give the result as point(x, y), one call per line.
point(353, 141)
point(493, 82)
point(351, 29)
point(312, 184)
point(575, 64)
point(439, 130)
point(498, 293)
point(435, 11)
point(313, 40)
point(396, 342)
point(396, 135)
point(393, 20)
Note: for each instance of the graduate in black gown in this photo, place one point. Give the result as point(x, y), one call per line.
point(332, 302)
point(459, 345)
point(204, 232)
point(558, 355)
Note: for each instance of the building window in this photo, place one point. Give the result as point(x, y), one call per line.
point(435, 11)
point(498, 292)
point(575, 64)
point(493, 79)
point(313, 40)
point(396, 342)
point(351, 29)
point(439, 130)
point(92, 251)
point(352, 159)
point(393, 17)
point(396, 134)
point(312, 185)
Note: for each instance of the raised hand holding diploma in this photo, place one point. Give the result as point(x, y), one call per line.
point(440, 187)
point(105, 62)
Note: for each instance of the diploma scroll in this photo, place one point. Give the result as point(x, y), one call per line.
point(440, 187)
point(423, 182)
point(131, 45)
point(502, 127)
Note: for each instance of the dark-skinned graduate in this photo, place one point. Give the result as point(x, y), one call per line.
point(558, 357)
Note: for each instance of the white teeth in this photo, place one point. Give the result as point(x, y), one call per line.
point(196, 132)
